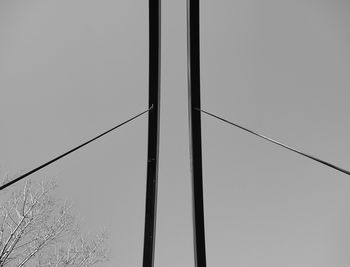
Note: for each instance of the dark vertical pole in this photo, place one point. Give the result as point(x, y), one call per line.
point(193, 65)
point(153, 133)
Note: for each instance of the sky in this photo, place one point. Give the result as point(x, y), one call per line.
point(72, 69)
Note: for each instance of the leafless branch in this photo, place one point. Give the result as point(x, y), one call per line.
point(34, 227)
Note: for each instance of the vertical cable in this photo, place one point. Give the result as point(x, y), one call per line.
point(193, 66)
point(153, 133)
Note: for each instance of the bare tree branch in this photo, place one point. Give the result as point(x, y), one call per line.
point(36, 228)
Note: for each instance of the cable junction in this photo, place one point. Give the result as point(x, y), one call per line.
point(72, 150)
point(278, 143)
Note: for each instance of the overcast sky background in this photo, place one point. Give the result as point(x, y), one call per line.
point(72, 69)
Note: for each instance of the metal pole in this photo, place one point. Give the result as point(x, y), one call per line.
point(153, 133)
point(193, 65)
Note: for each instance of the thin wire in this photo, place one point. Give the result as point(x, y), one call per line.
point(279, 143)
point(72, 150)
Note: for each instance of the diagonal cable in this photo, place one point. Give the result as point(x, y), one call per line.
point(279, 143)
point(72, 150)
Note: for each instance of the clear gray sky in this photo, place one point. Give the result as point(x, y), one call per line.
point(279, 67)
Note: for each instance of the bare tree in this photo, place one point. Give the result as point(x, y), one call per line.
point(36, 230)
